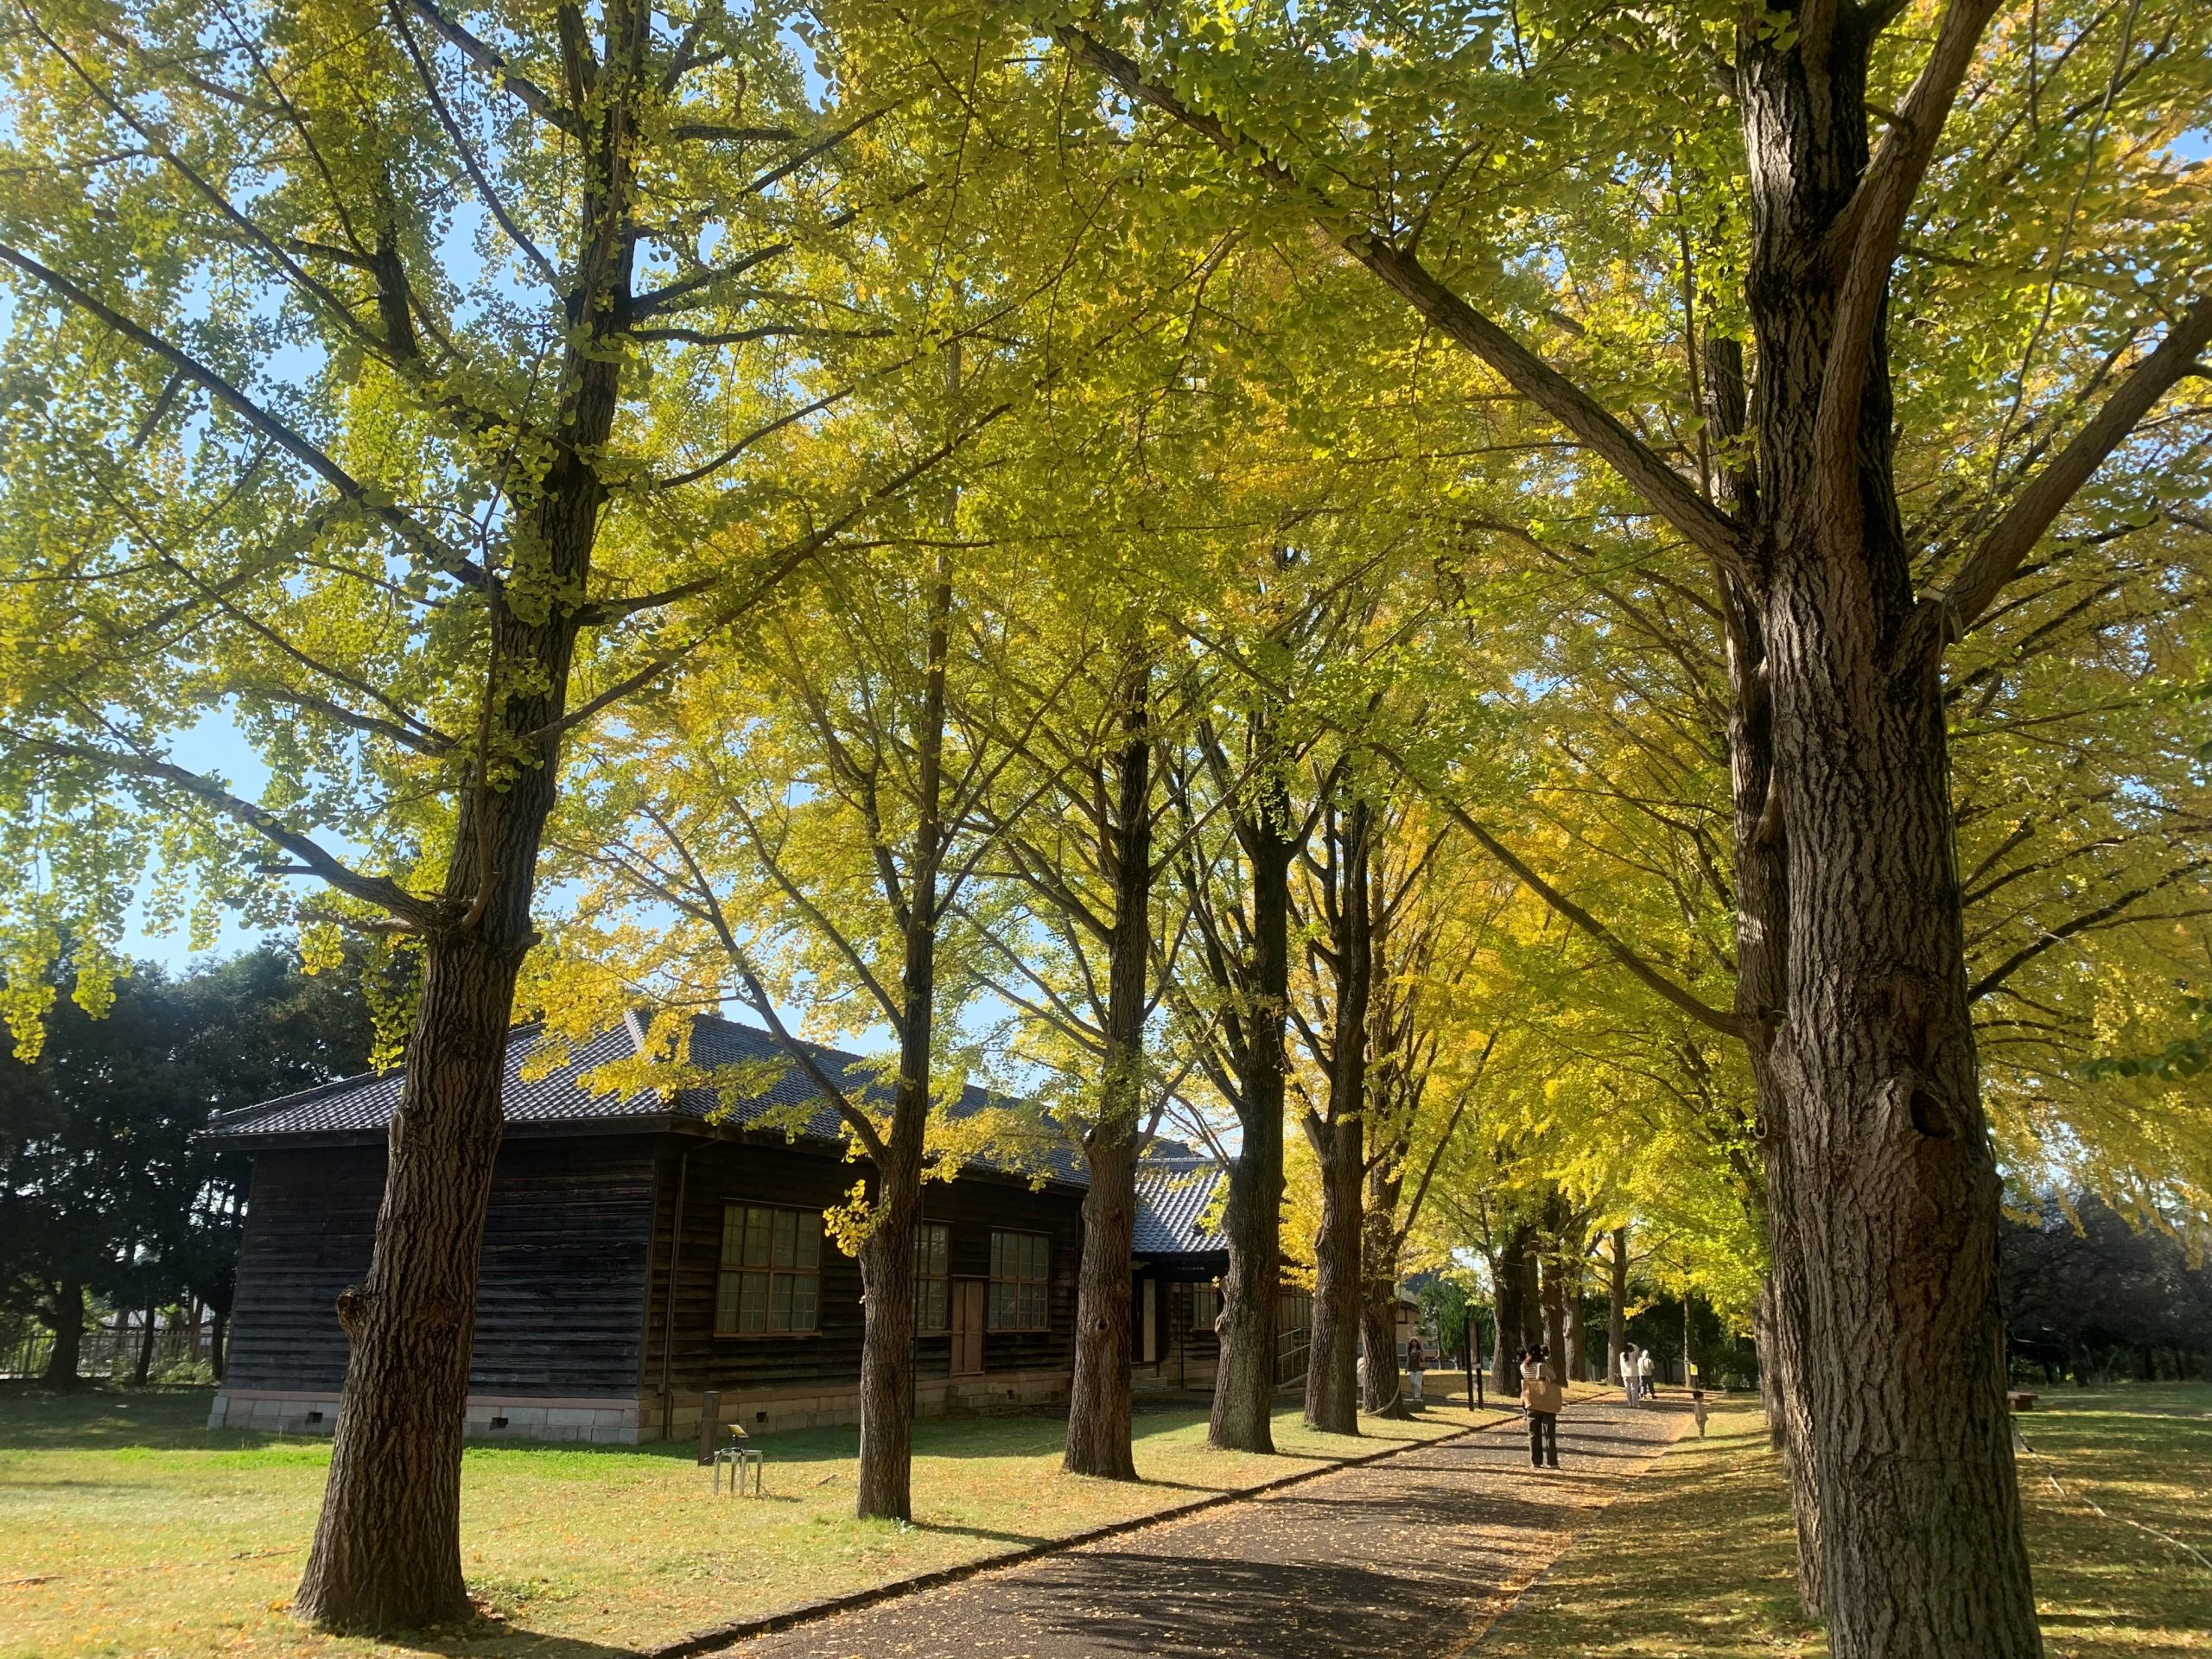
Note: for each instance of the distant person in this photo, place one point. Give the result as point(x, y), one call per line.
point(1697, 1410)
point(1628, 1375)
point(1647, 1376)
point(1541, 1396)
point(1416, 1361)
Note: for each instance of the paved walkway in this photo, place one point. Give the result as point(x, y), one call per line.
point(1411, 1555)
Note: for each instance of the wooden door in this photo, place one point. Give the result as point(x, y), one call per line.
point(967, 1327)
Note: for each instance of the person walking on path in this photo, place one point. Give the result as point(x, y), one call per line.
point(1543, 1396)
point(1647, 1376)
point(1630, 1378)
point(1415, 1364)
point(1697, 1410)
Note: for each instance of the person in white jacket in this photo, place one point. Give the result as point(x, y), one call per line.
point(1629, 1376)
point(1647, 1376)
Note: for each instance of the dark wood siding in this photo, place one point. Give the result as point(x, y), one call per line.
point(721, 1173)
point(560, 1295)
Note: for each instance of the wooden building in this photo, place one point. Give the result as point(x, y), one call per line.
point(644, 1248)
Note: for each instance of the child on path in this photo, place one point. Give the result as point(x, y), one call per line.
point(1697, 1410)
point(1647, 1376)
point(1414, 1364)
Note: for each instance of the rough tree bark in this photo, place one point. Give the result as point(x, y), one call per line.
point(1378, 1311)
point(1244, 1387)
point(387, 1546)
point(1762, 968)
point(887, 1254)
point(1098, 1397)
point(1886, 1306)
point(1338, 1139)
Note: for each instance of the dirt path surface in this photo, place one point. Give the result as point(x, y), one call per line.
point(1415, 1555)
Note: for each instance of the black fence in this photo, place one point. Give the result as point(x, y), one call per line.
point(112, 1350)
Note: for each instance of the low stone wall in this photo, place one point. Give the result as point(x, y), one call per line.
point(490, 1417)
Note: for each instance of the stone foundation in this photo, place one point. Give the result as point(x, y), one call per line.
point(490, 1417)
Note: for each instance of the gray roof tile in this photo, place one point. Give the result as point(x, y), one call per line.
point(1174, 1194)
point(365, 1104)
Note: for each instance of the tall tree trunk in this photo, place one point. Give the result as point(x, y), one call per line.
point(62, 1359)
point(1762, 973)
point(1889, 1258)
point(1689, 1341)
point(387, 1545)
point(1552, 1292)
point(887, 1254)
point(1339, 1285)
point(1243, 1397)
point(1577, 1339)
point(1616, 1308)
point(1098, 1397)
point(1378, 1312)
point(143, 1366)
point(1516, 1309)
point(1339, 1146)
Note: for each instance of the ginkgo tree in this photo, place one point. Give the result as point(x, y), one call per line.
point(1424, 146)
point(407, 386)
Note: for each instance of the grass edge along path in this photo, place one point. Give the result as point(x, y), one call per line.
point(143, 1534)
point(1696, 1560)
point(719, 1636)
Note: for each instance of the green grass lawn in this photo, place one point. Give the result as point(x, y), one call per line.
point(1694, 1560)
point(127, 1529)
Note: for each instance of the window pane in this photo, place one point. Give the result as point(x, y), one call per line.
point(779, 1302)
point(810, 1240)
point(733, 1234)
point(998, 1255)
point(726, 1303)
point(804, 1294)
point(786, 1237)
point(752, 1302)
point(1037, 1242)
point(757, 1223)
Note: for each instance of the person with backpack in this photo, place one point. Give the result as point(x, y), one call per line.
point(1541, 1397)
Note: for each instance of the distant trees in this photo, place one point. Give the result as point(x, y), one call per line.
point(103, 1194)
point(2086, 1291)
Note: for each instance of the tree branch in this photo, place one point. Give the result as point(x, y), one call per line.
point(1995, 561)
point(268, 425)
point(419, 913)
point(1862, 244)
point(1665, 491)
point(526, 91)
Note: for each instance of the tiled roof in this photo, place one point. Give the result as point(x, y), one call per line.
point(560, 1094)
point(1174, 1194)
point(1175, 1187)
